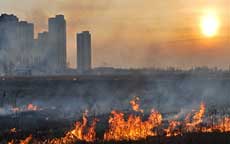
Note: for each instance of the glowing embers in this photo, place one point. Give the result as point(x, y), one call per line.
point(25, 141)
point(29, 107)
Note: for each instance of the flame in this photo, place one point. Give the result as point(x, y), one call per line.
point(133, 128)
point(223, 125)
point(173, 129)
point(13, 130)
point(11, 142)
point(135, 104)
point(80, 133)
point(31, 107)
point(27, 140)
point(193, 126)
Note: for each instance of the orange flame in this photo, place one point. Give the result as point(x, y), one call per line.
point(80, 133)
point(133, 128)
point(27, 140)
point(135, 104)
point(32, 107)
point(11, 142)
point(193, 126)
point(173, 129)
point(13, 130)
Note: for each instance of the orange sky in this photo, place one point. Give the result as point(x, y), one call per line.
point(136, 33)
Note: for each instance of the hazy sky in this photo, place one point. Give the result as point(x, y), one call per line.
point(136, 33)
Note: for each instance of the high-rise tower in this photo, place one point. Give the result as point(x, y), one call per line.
point(84, 51)
point(57, 40)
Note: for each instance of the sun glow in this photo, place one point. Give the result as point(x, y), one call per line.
point(209, 24)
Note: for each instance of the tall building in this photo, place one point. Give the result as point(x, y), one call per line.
point(84, 51)
point(25, 37)
point(41, 46)
point(57, 42)
point(8, 30)
point(16, 41)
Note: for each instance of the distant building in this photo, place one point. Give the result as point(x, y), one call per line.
point(84, 51)
point(16, 41)
point(41, 46)
point(8, 30)
point(42, 42)
point(25, 39)
point(25, 35)
point(19, 49)
point(22, 71)
point(57, 42)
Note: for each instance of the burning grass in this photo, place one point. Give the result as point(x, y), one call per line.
point(133, 127)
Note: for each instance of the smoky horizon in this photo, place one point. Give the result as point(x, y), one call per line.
point(139, 34)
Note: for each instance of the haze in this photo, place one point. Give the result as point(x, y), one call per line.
point(136, 33)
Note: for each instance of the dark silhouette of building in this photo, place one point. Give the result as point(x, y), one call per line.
point(84, 51)
point(57, 42)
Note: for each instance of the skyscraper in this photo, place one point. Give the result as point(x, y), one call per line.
point(8, 30)
point(16, 40)
point(25, 37)
point(57, 42)
point(84, 51)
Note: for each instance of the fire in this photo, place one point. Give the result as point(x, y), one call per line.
point(173, 129)
point(135, 104)
point(13, 130)
point(134, 127)
point(196, 119)
point(31, 107)
point(223, 125)
point(80, 133)
point(27, 140)
point(11, 142)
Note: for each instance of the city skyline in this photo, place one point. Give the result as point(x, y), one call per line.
point(22, 53)
point(140, 34)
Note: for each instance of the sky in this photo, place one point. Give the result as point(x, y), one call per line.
point(136, 33)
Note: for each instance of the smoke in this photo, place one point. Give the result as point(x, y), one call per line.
point(70, 99)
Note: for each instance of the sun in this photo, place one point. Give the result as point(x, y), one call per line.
point(209, 24)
